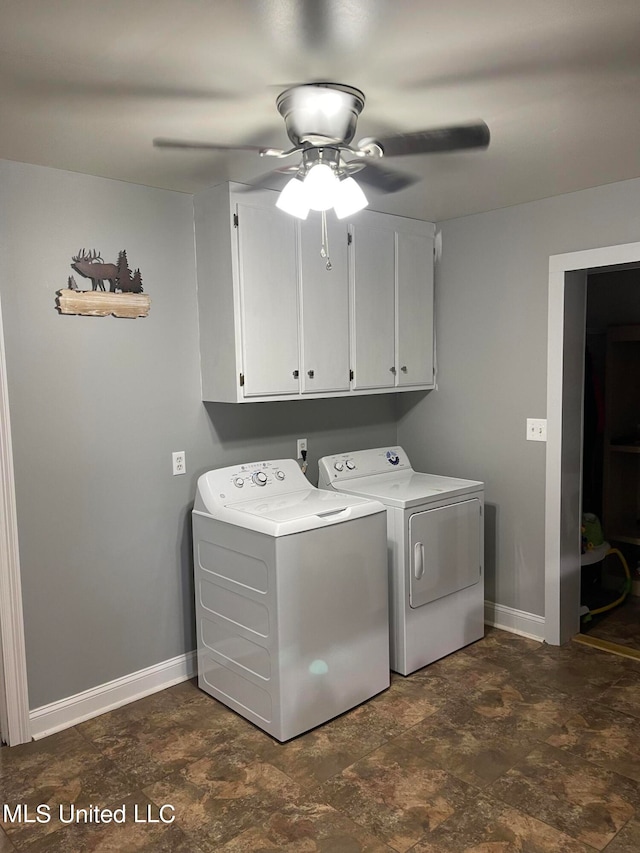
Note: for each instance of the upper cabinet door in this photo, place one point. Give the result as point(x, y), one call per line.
point(324, 307)
point(267, 276)
point(414, 334)
point(373, 276)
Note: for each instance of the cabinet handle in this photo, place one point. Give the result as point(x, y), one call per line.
point(393, 370)
point(311, 373)
point(404, 368)
point(296, 373)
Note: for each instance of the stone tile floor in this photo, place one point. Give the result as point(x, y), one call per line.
point(507, 746)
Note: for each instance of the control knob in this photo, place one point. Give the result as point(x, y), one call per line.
point(238, 482)
point(280, 475)
point(259, 478)
point(350, 465)
point(338, 466)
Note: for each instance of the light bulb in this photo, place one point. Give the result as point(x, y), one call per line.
point(348, 198)
point(293, 199)
point(320, 187)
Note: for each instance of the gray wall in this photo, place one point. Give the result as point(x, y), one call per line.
point(491, 320)
point(97, 406)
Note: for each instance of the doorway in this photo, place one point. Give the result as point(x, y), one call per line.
point(565, 398)
point(611, 464)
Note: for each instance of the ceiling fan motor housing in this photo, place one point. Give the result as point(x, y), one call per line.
point(328, 111)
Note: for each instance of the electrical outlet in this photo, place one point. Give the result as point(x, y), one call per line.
point(536, 429)
point(179, 460)
point(302, 445)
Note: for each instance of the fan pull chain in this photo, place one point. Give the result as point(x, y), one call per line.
point(324, 251)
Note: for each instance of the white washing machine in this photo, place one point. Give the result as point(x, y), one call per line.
point(291, 596)
point(436, 546)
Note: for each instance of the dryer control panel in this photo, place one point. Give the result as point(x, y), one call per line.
point(361, 463)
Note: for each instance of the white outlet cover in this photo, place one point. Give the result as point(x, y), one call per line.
point(179, 462)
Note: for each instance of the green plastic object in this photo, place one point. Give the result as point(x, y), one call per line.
point(592, 529)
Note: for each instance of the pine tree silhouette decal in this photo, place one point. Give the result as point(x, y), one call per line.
point(124, 273)
point(136, 284)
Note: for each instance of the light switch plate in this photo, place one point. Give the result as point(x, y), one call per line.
point(536, 429)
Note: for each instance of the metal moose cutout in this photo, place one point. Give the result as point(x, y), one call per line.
point(124, 299)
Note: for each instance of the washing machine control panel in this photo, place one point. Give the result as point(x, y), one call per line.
point(361, 463)
point(255, 479)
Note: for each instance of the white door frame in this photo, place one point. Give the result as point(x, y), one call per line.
point(14, 699)
point(565, 382)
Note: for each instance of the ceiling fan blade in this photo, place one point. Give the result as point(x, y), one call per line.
point(380, 178)
point(273, 179)
point(455, 138)
point(263, 150)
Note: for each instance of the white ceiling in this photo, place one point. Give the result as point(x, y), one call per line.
point(86, 85)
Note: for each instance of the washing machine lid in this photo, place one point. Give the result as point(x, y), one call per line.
point(408, 488)
point(295, 512)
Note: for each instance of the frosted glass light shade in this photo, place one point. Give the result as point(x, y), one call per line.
point(321, 190)
point(348, 198)
point(320, 187)
point(293, 199)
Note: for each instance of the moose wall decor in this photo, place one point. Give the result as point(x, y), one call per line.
point(124, 298)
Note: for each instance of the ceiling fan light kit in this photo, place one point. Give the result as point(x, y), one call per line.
point(322, 188)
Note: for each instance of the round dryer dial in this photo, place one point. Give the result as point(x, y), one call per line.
point(280, 475)
point(338, 466)
point(238, 482)
point(259, 478)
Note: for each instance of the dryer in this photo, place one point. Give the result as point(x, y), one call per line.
point(291, 596)
point(435, 536)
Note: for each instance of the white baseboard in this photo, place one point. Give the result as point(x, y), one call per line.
point(105, 697)
point(516, 621)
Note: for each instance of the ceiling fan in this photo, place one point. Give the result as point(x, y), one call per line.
point(320, 119)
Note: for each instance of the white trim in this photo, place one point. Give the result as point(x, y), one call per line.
point(562, 611)
point(517, 621)
point(14, 698)
point(105, 697)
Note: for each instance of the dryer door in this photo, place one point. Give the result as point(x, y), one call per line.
point(444, 551)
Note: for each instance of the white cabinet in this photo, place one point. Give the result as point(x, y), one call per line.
point(276, 324)
point(373, 278)
point(392, 286)
point(324, 308)
point(268, 301)
point(414, 355)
